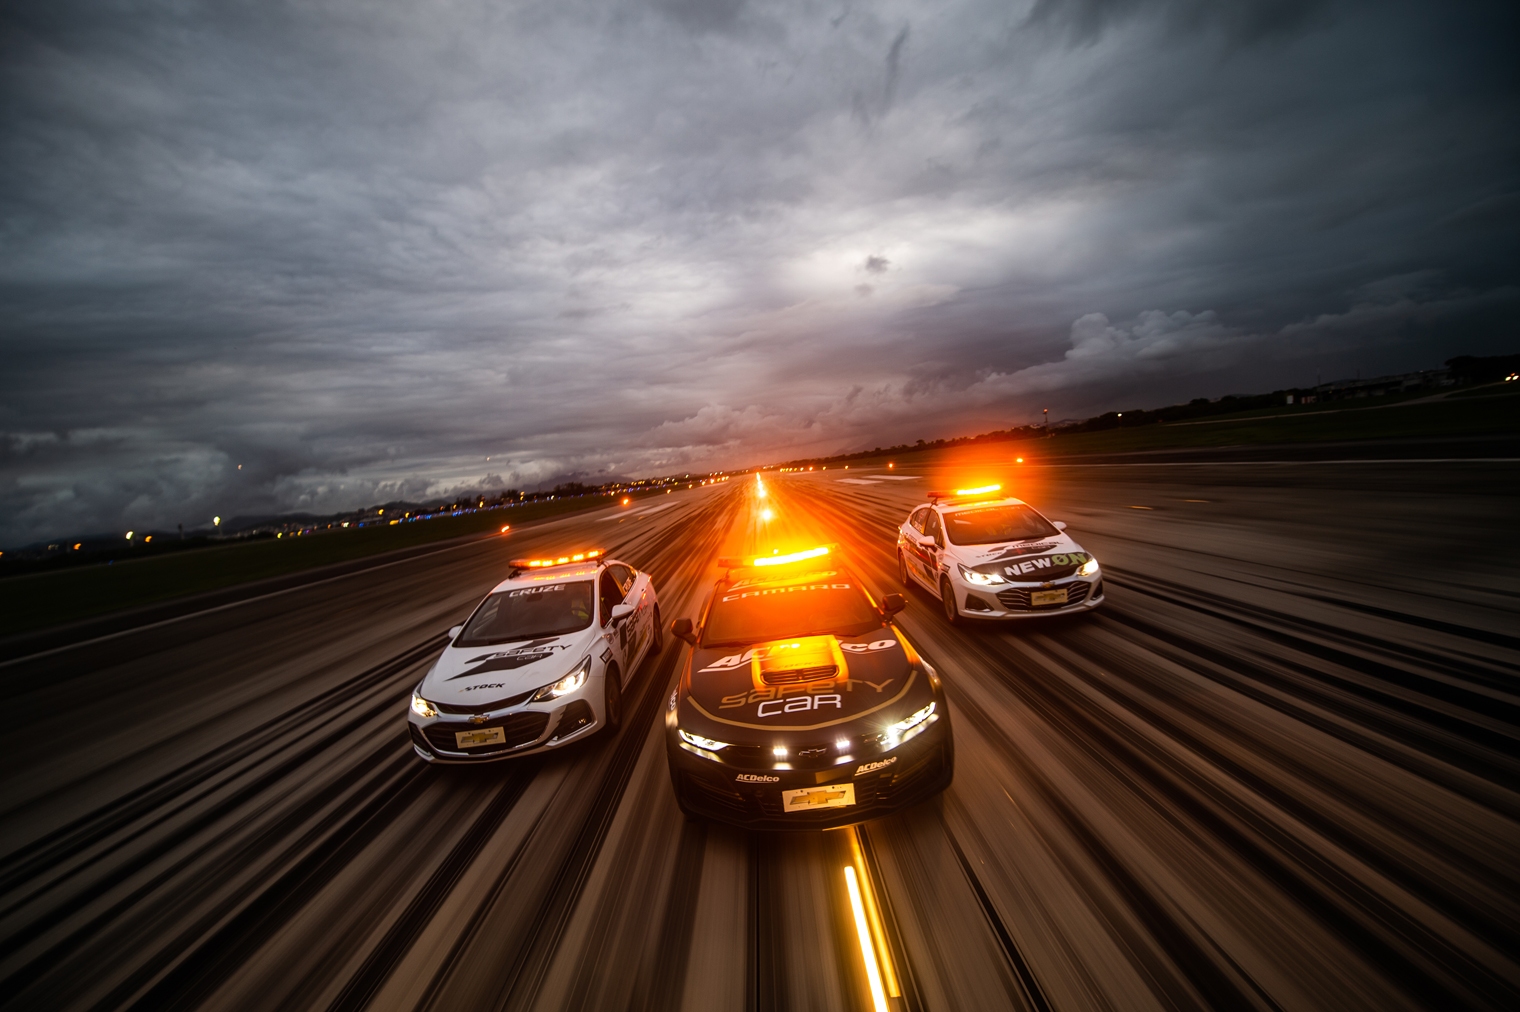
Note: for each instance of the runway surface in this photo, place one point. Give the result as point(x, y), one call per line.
point(1277, 770)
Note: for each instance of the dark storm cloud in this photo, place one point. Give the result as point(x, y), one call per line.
point(359, 248)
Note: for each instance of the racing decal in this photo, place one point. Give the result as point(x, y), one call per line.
point(740, 660)
point(758, 580)
point(606, 656)
point(508, 660)
point(1046, 562)
point(769, 591)
point(552, 588)
point(799, 703)
point(756, 778)
point(879, 764)
point(486, 685)
point(1016, 550)
point(823, 688)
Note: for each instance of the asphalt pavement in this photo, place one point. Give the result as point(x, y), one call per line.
point(1276, 770)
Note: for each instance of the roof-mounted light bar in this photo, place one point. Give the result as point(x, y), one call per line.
point(966, 493)
point(775, 558)
point(563, 560)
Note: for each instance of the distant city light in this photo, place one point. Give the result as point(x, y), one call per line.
point(129, 535)
point(215, 520)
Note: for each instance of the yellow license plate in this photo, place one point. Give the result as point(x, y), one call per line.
point(1039, 597)
point(808, 799)
point(485, 736)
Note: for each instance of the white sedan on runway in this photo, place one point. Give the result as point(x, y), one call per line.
point(541, 663)
point(991, 557)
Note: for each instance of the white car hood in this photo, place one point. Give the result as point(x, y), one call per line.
point(469, 675)
point(1015, 552)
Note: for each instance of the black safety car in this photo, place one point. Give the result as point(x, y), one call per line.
point(801, 705)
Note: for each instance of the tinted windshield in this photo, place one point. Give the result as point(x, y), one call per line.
point(751, 611)
point(529, 612)
point(992, 524)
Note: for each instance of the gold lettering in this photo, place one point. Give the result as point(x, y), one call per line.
point(878, 686)
point(735, 700)
point(759, 694)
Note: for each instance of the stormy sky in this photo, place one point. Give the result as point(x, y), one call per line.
point(361, 247)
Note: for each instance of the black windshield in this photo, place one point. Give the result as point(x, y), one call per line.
point(528, 613)
point(809, 604)
point(993, 524)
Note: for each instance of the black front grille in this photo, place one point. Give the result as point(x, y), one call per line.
point(517, 728)
point(708, 795)
point(1017, 598)
point(796, 676)
point(816, 755)
point(484, 705)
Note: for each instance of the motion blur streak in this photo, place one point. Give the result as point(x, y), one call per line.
point(1276, 770)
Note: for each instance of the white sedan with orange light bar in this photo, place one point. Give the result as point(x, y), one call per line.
point(987, 556)
point(542, 662)
point(802, 706)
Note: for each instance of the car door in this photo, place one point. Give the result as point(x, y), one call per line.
point(915, 553)
point(637, 595)
point(930, 550)
point(609, 595)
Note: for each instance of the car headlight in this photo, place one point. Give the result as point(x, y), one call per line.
point(1089, 568)
point(703, 743)
point(422, 707)
point(911, 721)
point(979, 578)
point(574, 680)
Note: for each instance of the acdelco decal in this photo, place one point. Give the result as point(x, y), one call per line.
point(879, 764)
point(756, 778)
point(739, 660)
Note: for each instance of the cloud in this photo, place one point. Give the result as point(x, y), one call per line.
point(361, 249)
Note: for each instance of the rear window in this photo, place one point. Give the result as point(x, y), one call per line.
point(992, 524)
point(527, 613)
point(809, 604)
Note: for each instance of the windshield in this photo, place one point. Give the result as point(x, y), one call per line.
point(993, 524)
point(528, 613)
point(753, 611)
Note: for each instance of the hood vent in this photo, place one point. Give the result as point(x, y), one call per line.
point(795, 662)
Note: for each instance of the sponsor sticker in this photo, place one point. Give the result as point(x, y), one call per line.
point(809, 799)
point(879, 764)
point(1059, 561)
point(756, 778)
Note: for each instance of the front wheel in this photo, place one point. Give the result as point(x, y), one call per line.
point(902, 570)
point(947, 598)
point(657, 639)
point(612, 701)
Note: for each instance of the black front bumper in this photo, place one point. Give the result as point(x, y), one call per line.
point(920, 768)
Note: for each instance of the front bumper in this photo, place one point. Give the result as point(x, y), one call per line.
point(752, 798)
point(1012, 600)
point(525, 730)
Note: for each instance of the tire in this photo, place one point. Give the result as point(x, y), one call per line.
point(902, 570)
point(612, 701)
point(947, 599)
point(657, 641)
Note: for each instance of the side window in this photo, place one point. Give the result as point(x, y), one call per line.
point(623, 576)
point(610, 594)
point(933, 528)
point(916, 521)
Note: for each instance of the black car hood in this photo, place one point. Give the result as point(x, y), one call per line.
point(737, 693)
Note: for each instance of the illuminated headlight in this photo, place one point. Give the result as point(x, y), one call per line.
point(1089, 568)
point(913, 720)
point(979, 578)
point(698, 741)
point(422, 707)
point(574, 680)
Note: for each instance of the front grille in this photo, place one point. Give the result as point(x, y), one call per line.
point(518, 729)
point(483, 705)
point(818, 755)
point(1017, 598)
point(716, 797)
point(795, 676)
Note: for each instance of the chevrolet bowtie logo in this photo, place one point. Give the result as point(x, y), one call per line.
point(819, 798)
point(479, 718)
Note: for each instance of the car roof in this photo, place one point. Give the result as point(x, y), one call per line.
point(555, 574)
point(951, 504)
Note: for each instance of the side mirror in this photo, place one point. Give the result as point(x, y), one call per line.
point(681, 629)
point(891, 604)
point(1059, 525)
point(454, 632)
point(620, 612)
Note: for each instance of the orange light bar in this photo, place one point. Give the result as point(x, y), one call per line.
point(781, 560)
point(979, 490)
point(563, 560)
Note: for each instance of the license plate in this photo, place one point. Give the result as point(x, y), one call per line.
point(808, 799)
point(485, 736)
point(1038, 597)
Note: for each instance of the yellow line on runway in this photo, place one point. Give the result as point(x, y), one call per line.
point(863, 933)
point(878, 936)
